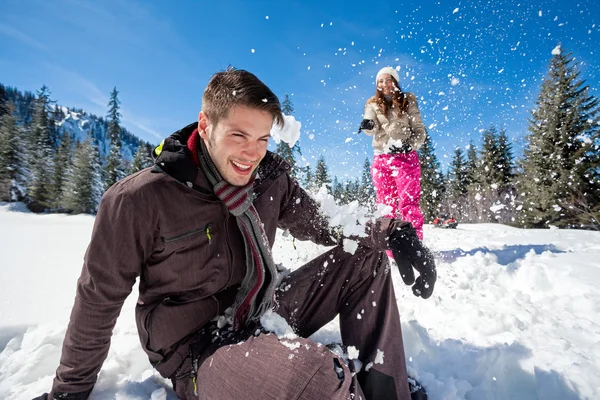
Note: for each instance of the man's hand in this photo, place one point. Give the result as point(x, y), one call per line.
point(366, 125)
point(409, 252)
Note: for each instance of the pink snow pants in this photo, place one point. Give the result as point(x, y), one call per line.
point(397, 181)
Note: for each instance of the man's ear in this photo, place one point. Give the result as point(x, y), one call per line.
point(202, 125)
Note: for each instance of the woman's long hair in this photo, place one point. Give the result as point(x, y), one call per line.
point(399, 101)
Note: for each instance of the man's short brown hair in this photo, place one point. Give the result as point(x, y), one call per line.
point(237, 87)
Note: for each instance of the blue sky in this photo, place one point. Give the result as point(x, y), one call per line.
point(470, 63)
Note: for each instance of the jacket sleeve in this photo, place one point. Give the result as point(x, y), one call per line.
point(370, 114)
point(119, 245)
point(301, 215)
point(416, 122)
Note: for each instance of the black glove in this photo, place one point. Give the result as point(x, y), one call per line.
point(367, 125)
point(409, 252)
point(405, 148)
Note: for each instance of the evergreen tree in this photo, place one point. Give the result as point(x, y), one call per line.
point(322, 175)
point(39, 190)
point(337, 191)
point(473, 173)
point(431, 180)
point(54, 117)
point(506, 161)
point(308, 178)
point(490, 158)
point(457, 183)
point(286, 106)
point(3, 101)
point(114, 161)
point(62, 166)
point(11, 152)
point(351, 191)
point(142, 159)
point(366, 193)
point(560, 179)
point(84, 186)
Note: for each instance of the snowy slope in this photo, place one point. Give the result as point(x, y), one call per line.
point(515, 313)
point(79, 125)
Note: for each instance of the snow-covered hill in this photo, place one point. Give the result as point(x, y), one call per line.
point(80, 124)
point(515, 313)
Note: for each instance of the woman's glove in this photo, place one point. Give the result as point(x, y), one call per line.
point(366, 125)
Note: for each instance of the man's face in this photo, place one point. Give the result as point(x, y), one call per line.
point(238, 142)
point(385, 84)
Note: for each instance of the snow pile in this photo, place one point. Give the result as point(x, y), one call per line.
point(514, 314)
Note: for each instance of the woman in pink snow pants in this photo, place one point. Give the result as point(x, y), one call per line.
point(392, 117)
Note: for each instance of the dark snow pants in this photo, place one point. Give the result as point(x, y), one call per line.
point(357, 287)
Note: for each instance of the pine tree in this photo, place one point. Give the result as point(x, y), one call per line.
point(114, 161)
point(505, 161)
point(39, 190)
point(337, 190)
point(366, 192)
point(4, 109)
point(490, 158)
point(84, 186)
point(11, 160)
point(308, 178)
point(142, 159)
point(473, 173)
point(322, 175)
point(560, 180)
point(431, 180)
point(62, 166)
point(457, 184)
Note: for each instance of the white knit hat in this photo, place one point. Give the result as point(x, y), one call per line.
point(388, 70)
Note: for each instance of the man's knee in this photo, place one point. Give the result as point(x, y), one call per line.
point(268, 367)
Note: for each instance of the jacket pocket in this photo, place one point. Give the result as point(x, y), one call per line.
point(174, 238)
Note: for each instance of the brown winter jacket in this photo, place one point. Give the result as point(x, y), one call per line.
point(392, 128)
point(165, 226)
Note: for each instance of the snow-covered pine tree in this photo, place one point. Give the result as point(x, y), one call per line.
point(322, 175)
point(473, 172)
point(308, 178)
point(337, 190)
point(366, 196)
point(431, 180)
point(84, 186)
point(114, 162)
point(142, 158)
point(490, 157)
point(3, 101)
point(41, 158)
point(506, 161)
point(456, 182)
point(11, 158)
point(62, 167)
point(559, 183)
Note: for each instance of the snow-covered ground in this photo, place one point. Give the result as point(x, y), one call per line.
point(515, 313)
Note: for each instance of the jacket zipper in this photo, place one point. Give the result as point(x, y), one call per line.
point(183, 235)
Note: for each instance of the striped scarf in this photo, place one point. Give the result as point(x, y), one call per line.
point(256, 294)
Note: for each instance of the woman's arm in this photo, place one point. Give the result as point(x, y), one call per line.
point(416, 123)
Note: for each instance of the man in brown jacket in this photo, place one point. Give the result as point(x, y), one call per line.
point(197, 229)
